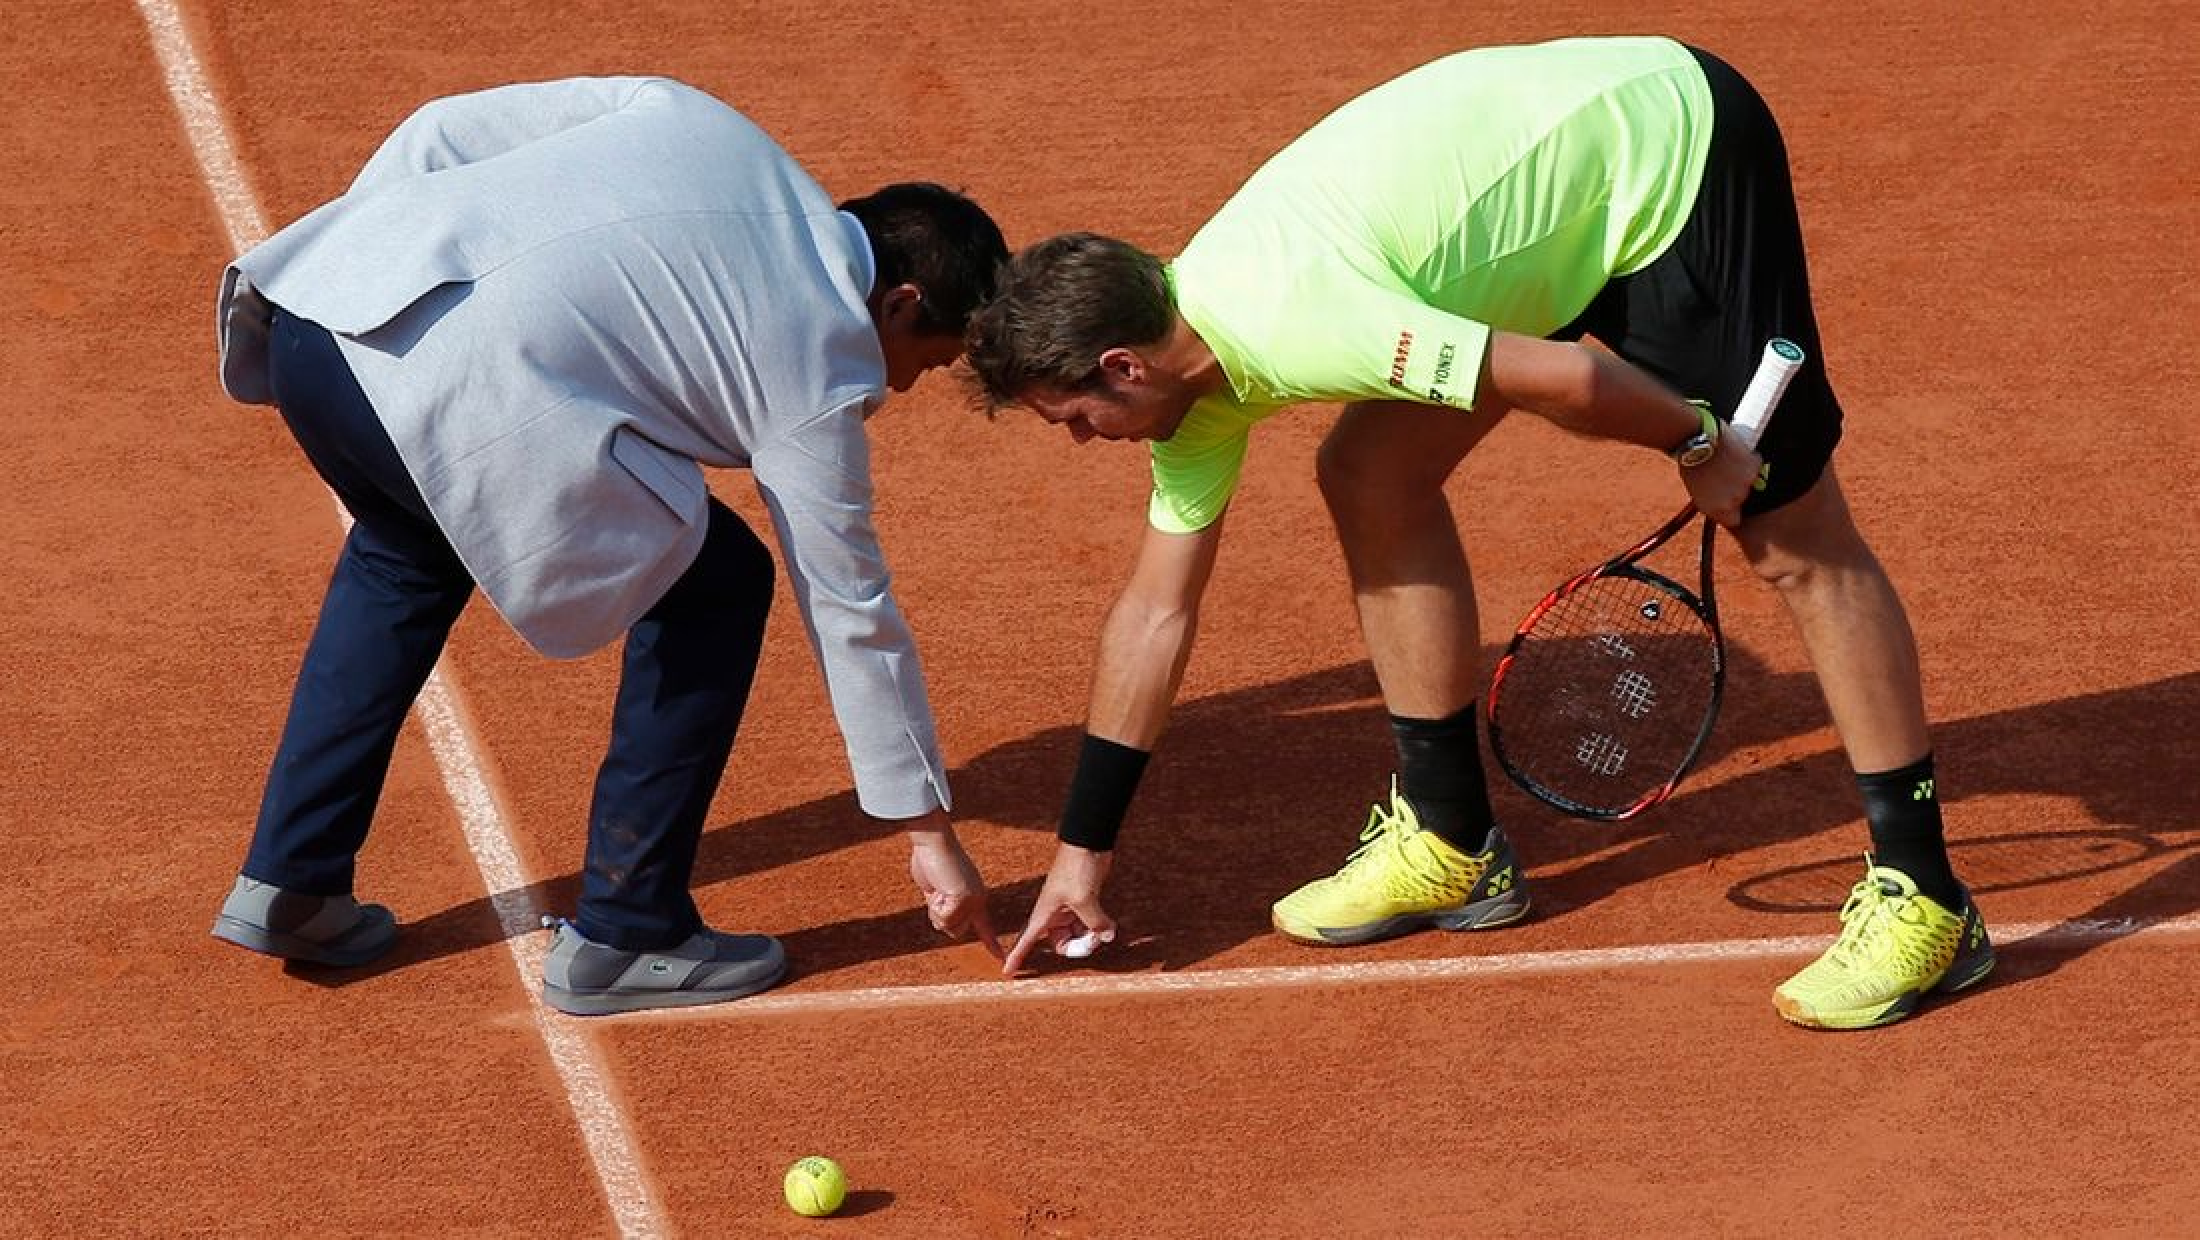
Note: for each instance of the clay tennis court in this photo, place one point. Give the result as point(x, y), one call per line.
point(2000, 216)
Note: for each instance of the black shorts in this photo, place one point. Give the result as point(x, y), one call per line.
point(1699, 315)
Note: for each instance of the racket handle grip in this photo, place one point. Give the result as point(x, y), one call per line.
point(1783, 357)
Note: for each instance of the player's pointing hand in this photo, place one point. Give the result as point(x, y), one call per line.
point(1067, 916)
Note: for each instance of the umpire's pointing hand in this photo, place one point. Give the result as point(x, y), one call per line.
point(953, 891)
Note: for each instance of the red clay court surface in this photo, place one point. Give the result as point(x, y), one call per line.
point(2000, 214)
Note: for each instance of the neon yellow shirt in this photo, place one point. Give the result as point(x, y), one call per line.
point(1371, 258)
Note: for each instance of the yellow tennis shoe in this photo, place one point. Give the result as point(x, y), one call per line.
point(1896, 946)
point(1403, 878)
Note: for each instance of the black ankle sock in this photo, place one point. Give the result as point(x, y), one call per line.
point(1440, 775)
point(1903, 808)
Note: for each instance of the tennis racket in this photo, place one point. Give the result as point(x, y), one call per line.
point(1608, 689)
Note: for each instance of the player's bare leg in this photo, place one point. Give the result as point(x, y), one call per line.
point(1432, 856)
point(1909, 928)
point(1851, 621)
point(1382, 471)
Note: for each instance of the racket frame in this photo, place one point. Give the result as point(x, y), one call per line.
point(1704, 602)
point(1781, 361)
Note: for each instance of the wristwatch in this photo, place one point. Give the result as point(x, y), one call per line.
point(1702, 445)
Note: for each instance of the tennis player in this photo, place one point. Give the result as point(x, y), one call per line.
point(1433, 255)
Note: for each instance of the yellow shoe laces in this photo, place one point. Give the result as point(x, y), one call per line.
point(1386, 862)
point(1870, 922)
point(1384, 835)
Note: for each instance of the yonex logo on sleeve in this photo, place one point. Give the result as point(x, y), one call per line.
point(1444, 358)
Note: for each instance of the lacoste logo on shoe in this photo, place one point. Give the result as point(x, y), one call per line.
point(660, 966)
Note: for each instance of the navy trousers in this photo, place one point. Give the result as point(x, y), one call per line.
point(397, 590)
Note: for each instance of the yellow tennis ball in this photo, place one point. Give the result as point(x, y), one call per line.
point(816, 1186)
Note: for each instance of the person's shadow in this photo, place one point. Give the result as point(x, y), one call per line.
point(1259, 790)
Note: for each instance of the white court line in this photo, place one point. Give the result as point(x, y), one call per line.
point(1283, 977)
point(602, 1121)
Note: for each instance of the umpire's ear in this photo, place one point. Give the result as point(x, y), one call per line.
point(900, 307)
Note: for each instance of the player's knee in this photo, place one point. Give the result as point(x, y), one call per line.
point(1335, 465)
point(1785, 570)
point(1834, 562)
point(1358, 477)
point(1808, 540)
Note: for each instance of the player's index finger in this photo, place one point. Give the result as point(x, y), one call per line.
point(1024, 943)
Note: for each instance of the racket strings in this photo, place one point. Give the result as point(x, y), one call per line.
point(1607, 694)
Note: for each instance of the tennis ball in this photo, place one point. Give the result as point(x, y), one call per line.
point(816, 1186)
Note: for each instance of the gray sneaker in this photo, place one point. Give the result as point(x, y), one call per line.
point(581, 977)
point(333, 930)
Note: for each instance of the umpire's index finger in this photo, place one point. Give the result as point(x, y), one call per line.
point(981, 925)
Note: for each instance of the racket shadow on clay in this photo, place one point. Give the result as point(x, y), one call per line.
point(2094, 753)
point(1990, 865)
point(2002, 864)
point(2090, 751)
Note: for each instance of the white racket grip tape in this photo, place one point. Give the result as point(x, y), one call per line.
point(1783, 357)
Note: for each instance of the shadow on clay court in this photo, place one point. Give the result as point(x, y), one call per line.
point(2133, 802)
point(862, 1201)
point(1259, 790)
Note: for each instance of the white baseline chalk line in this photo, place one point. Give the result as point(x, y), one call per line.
point(603, 1124)
point(1282, 977)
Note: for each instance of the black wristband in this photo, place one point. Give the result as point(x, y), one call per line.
point(1100, 793)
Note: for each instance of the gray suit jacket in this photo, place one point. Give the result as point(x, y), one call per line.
point(563, 299)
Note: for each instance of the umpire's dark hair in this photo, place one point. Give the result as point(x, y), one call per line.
point(1063, 302)
point(940, 241)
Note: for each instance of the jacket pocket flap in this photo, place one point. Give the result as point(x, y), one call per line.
point(673, 478)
